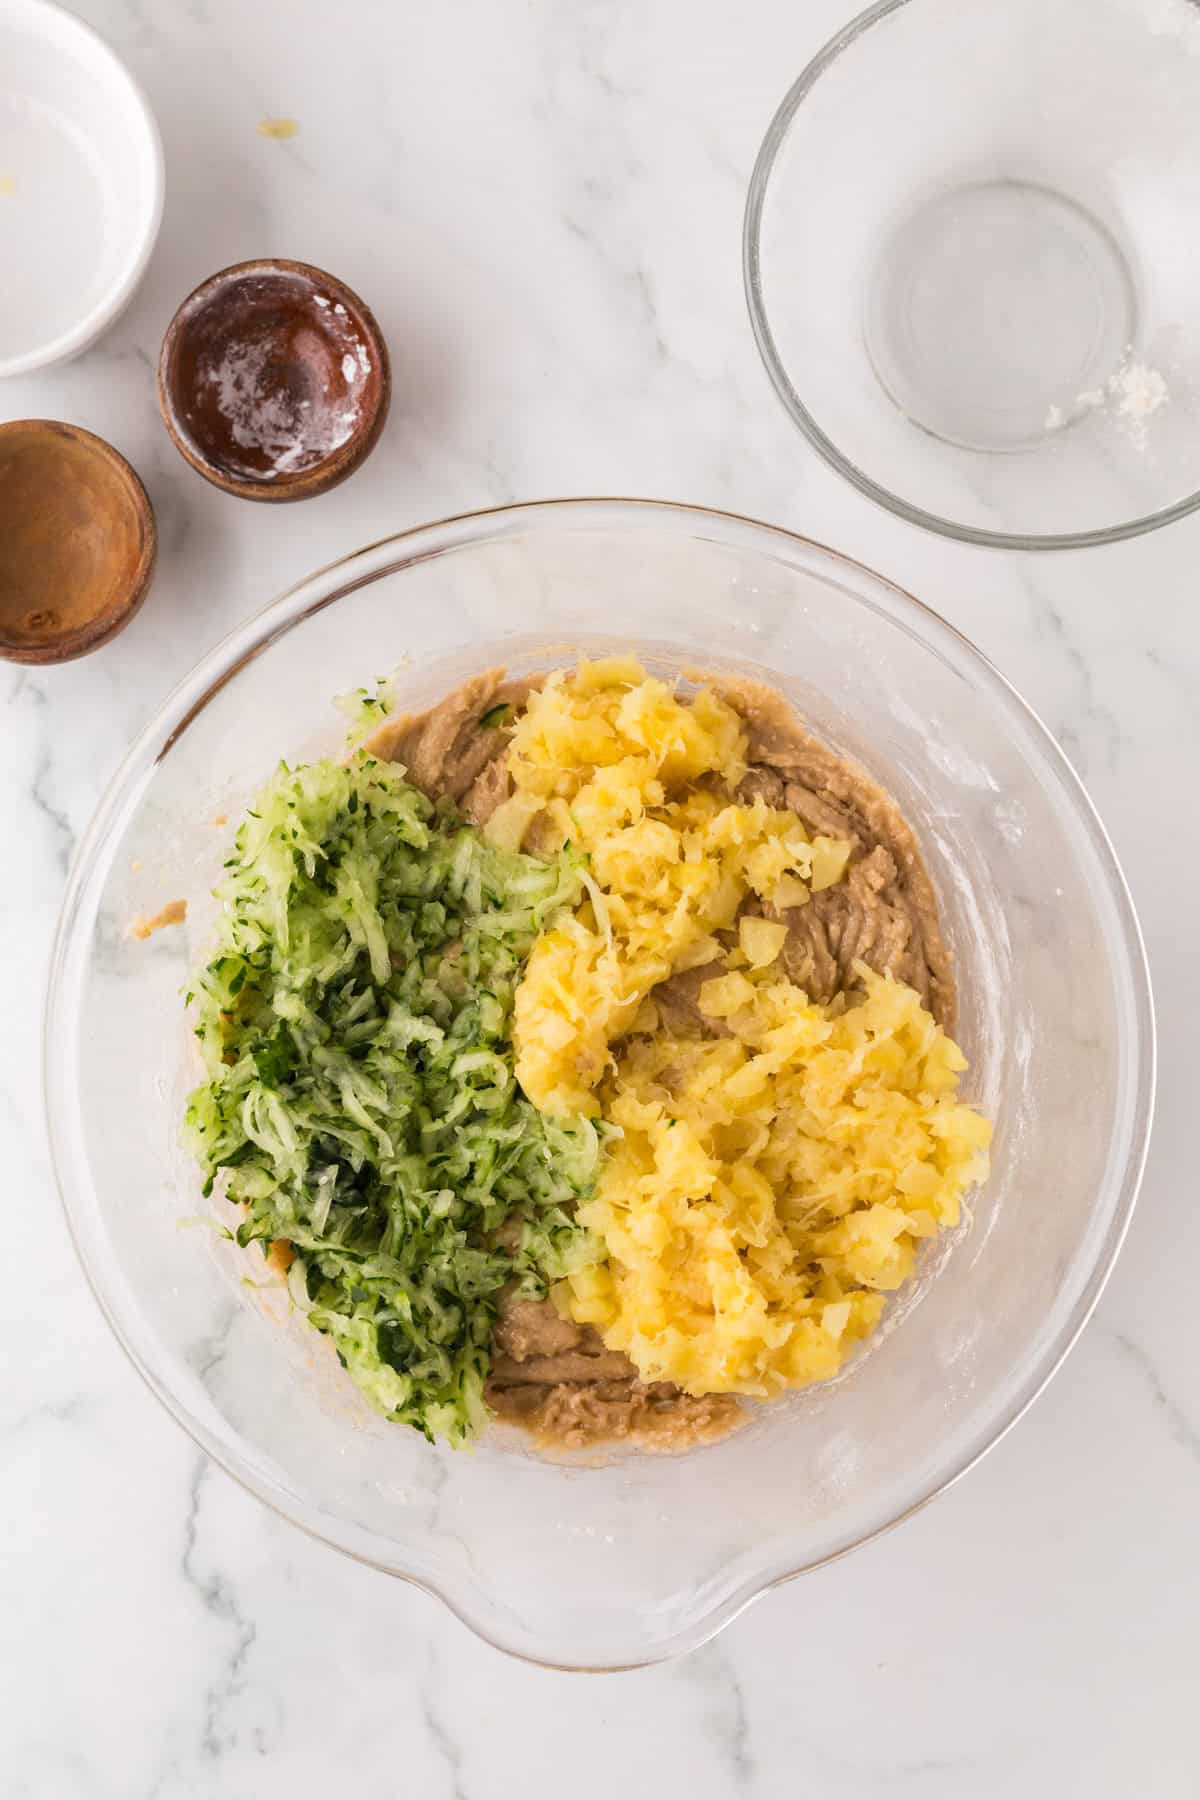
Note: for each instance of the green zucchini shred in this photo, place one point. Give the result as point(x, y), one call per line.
point(359, 1098)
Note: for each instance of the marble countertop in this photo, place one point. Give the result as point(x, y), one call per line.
point(542, 202)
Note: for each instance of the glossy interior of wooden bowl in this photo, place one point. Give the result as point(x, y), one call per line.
point(77, 541)
point(274, 380)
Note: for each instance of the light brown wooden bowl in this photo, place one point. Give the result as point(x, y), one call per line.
point(274, 380)
point(77, 541)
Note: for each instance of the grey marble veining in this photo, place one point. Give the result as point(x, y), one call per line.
point(543, 204)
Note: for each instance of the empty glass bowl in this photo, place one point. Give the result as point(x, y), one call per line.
point(623, 1563)
point(972, 264)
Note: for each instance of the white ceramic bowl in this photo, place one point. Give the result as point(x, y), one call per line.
point(81, 185)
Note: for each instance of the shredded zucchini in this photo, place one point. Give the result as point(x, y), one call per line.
point(360, 1097)
point(365, 710)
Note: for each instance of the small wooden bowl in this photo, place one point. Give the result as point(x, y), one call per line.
point(274, 380)
point(77, 541)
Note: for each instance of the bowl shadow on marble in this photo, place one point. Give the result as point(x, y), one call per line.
point(611, 1567)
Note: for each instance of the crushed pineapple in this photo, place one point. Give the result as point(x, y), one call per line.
point(639, 779)
point(769, 1187)
point(763, 1190)
point(760, 940)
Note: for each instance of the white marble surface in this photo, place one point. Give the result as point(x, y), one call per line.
point(542, 201)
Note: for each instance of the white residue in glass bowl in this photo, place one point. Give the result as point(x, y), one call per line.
point(1131, 395)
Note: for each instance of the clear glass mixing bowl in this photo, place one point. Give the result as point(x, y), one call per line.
point(623, 1563)
point(972, 267)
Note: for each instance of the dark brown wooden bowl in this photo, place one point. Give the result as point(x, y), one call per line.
point(274, 380)
point(77, 541)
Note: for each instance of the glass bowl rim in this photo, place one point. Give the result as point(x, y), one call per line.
point(392, 555)
point(764, 337)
